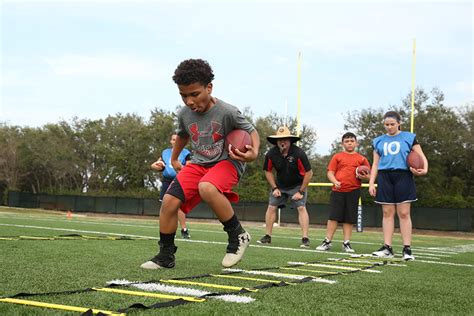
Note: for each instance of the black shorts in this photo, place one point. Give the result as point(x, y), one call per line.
point(165, 183)
point(343, 206)
point(394, 187)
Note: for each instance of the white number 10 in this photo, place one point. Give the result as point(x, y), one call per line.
point(392, 148)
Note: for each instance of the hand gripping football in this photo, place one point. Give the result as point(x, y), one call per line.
point(238, 138)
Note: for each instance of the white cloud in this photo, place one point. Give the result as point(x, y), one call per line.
point(108, 67)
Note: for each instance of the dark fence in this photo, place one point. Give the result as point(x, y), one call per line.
point(422, 218)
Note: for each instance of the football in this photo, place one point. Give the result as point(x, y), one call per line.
point(238, 138)
point(362, 170)
point(414, 160)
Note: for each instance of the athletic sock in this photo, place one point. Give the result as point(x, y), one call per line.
point(167, 240)
point(232, 226)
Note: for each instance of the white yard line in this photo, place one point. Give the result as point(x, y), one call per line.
point(430, 251)
point(447, 263)
point(322, 265)
point(417, 252)
point(157, 287)
point(197, 241)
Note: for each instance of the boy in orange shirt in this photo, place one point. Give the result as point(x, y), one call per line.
point(345, 192)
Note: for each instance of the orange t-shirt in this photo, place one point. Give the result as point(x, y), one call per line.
point(344, 167)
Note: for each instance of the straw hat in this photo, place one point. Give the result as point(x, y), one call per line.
point(282, 132)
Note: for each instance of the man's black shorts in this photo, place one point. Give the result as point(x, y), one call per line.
point(343, 206)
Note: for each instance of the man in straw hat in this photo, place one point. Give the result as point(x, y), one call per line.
point(293, 173)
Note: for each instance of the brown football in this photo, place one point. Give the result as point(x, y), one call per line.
point(414, 160)
point(238, 138)
point(362, 170)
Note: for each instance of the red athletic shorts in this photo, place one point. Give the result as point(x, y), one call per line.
point(222, 175)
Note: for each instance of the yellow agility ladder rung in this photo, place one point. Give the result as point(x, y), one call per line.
point(245, 278)
point(58, 306)
point(217, 286)
point(309, 270)
point(148, 294)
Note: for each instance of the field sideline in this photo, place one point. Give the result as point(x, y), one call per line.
point(439, 281)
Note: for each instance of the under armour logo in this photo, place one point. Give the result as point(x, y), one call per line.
point(212, 132)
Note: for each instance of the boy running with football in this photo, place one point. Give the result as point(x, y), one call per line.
point(213, 170)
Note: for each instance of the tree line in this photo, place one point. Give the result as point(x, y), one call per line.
point(112, 156)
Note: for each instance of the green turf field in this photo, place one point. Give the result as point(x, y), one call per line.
point(440, 281)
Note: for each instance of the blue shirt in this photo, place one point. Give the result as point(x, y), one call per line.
point(169, 171)
point(394, 150)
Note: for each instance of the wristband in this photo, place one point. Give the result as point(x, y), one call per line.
point(301, 192)
point(273, 189)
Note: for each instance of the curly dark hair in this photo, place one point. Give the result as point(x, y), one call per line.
point(193, 70)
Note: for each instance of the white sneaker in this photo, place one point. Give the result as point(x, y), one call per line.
point(236, 250)
point(326, 245)
point(384, 252)
point(407, 255)
point(164, 259)
point(346, 246)
point(150, 265)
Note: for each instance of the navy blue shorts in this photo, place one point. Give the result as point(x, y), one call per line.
point(343, 207)
point(394, 187)
point(165, 183)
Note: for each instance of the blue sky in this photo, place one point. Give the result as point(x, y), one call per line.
point(91, 59)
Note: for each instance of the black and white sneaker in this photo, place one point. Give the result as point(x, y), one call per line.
point(346, 246)
point(236, 249)
point(407, 255)
point(326, 245)
point(185, 233)
point(164, 259)
point(267, 239)
point(304, 242)
point(384, 252)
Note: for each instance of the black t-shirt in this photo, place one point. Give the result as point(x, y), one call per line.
point(290, 169)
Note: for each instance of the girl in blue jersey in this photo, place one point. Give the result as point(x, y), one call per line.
point(395, 185)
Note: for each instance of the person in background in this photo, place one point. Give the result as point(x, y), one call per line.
point(345, 191)
point(293, 173)
point(163, 164)
point(395, 184)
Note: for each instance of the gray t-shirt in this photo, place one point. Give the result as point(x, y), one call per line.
point(207, 132)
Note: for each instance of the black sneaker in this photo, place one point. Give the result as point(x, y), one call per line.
point(384, 252)
point(267, 239)
point(164, 259)
point(185, 233)
point(304, 242)
point(407, 256)
point(326, 245)
point(346, 246)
